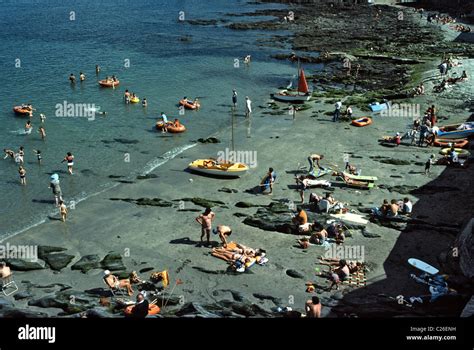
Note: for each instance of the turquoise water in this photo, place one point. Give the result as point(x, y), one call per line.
point(163, 68)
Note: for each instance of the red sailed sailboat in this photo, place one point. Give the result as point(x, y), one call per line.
point(302, 95)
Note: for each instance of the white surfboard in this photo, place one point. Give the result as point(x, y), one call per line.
point(351, 218)
point(421, 265)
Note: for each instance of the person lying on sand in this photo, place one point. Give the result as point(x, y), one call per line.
point(353, 265)
point(350, 181)
point(337, 275)
point(114, 283)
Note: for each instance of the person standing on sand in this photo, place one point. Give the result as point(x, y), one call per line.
point(54, 185)
point(423, 132)
point(62, 211)
point(267, 181)
point(312, 159)
point(70, 162)
point(313, 308)
point(22, 173)
point(205, 220)
point(223, 232)
point(428, 164)
point(234, 98)
point(248, 107)
point(337, 111)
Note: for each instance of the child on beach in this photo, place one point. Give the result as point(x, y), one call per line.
point(268, 181)
point(428, 164)
point(205, 220)
point(22, 173)
point(70, 162)
point(42, 132)
point(38, 155)
point(62, 211)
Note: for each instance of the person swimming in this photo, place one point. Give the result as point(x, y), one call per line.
point(8, 153)
point(72, 78)
point(82, 76)
point(28, 127)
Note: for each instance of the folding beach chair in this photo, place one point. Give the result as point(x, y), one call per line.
point(324, 206)
point(8, 285)
point(115, 290)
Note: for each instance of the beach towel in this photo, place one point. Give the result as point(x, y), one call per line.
point(357, 279)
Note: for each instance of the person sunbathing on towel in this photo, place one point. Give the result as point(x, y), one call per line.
point(113, 282)
point(354, 266)
point(337, 275)
point(231, 257)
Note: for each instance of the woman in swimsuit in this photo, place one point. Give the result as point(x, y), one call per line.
point(70, 162)
point(22, 173)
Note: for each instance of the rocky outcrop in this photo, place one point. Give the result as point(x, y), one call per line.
point(87, 263)
point(465, 245)
point(112, 262)
point(24, 265)
point(58, 261)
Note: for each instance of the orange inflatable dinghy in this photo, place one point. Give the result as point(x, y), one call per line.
point(189, 104)
point(460, 143)
point(153, 309)
point(171, 127)
point(105, 83)
point(364, 121)
point(21, 111)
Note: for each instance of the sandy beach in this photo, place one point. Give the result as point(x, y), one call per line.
point(164, 235)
